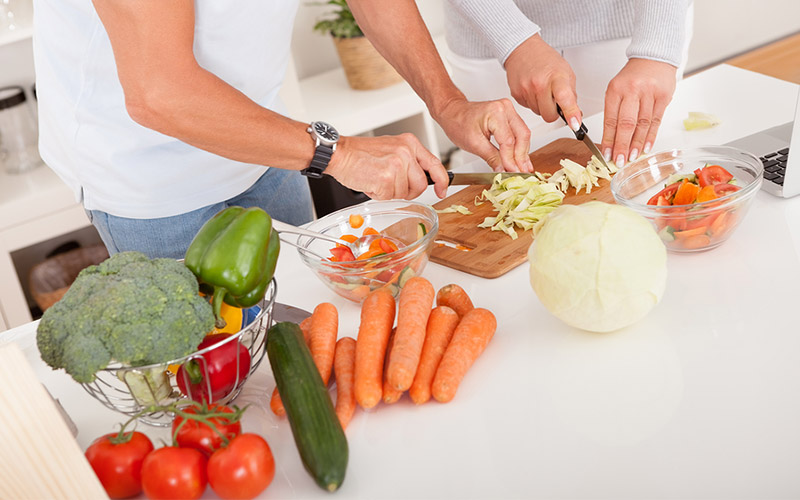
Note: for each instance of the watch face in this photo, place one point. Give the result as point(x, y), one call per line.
point(326, 132)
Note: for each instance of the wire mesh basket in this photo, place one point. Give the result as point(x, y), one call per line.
point(131, 390)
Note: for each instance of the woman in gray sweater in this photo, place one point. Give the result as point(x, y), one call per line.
point(627, 55)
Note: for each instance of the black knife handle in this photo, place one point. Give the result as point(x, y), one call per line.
point(581, 132)
point(430, 181)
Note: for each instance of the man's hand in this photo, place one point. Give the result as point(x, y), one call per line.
point(635, 102)
point(388, 167)
point(539, 78)
point(471, 126)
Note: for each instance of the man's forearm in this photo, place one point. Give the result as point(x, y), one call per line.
point(168, 91)
point(396, 29)
point(202, 110)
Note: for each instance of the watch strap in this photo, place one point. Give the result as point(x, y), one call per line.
point(322, 156)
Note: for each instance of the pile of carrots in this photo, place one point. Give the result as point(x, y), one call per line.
point(427, 353)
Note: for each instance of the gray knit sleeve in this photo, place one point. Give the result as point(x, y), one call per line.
point(499, 23)
point(659, 30)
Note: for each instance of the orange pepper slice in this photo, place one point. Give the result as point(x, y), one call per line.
point(706, 193)
point(686, 194)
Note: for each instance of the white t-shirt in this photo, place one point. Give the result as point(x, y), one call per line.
point(114, 164)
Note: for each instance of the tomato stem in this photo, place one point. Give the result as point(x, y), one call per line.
point(203, 415)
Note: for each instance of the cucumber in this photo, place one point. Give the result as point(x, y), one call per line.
point(317, 432)
point(421, 231)
point(667, 234)
point(406, 274)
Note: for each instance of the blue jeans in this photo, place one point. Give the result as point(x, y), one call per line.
point(284, 194)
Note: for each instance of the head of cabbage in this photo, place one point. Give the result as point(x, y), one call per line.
point(597, 266)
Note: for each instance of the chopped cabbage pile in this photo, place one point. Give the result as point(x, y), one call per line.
point(524, 202)
point(520, 202)
point(573, 174)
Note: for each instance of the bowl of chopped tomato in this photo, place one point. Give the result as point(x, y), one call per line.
point(384, 244)
point(695, 197)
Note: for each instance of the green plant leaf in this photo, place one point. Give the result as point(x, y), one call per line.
point(342, 24)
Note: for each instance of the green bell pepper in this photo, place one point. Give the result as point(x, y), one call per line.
point(235, 252)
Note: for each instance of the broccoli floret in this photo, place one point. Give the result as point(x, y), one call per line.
point(130, 309)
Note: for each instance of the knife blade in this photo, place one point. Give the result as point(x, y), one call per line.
point(479, 178)
point(582, 134)
point(284, 312)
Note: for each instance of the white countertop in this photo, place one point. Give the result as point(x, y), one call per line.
point(698, 400)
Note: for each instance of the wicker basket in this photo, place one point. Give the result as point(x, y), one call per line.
point(49, 280)
point(363, 65)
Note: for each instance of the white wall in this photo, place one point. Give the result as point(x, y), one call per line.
point(724, 28)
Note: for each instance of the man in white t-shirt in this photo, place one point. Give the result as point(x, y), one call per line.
point(160, 113)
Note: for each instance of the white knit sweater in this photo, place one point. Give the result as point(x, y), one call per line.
point(494, 28)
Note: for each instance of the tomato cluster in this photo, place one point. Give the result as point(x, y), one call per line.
point(209, 448)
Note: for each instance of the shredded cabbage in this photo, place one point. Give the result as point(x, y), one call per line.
point(580, 177)
point(524, 202)
point(520, 202)
point(452, 209)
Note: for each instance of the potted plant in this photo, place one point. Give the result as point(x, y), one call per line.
point(363, 65)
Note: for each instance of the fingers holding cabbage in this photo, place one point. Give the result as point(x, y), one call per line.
point(598, 267)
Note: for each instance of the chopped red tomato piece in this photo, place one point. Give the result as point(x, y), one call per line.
point(713, 174)
point(665, 193)
point(342, 254)
point(725, 189)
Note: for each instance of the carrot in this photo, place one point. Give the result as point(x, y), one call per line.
point(413, 308)
point(454, 297)
point(390, 394)
point(470, 338)
point(350, 238)
point(305, 327)
point(275, 403)
point(377, 318)
point(441, 325)
point(355, 221)
point(344, 362)
point(696, 241)
point(369, 230)
point(322, 338)
point(688, 233)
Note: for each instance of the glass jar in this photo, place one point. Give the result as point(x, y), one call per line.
point(19, 151)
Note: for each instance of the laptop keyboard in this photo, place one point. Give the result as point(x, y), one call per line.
point(775, 165)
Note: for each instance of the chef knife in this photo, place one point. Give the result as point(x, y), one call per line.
point(479, 178)
point(284, 312)
point(582, 134)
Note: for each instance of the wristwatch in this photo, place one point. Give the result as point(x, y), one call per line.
point(325, 138)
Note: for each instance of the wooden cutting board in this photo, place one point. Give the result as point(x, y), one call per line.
point(494, 253)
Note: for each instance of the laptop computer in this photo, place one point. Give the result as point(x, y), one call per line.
point(778, 148)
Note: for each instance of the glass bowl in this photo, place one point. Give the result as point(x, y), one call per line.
point(698, 226)
point(409, 224)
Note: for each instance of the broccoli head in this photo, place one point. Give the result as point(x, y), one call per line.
point(129, 308)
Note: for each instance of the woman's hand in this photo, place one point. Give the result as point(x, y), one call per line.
point(635, 103)
point(539, 78)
